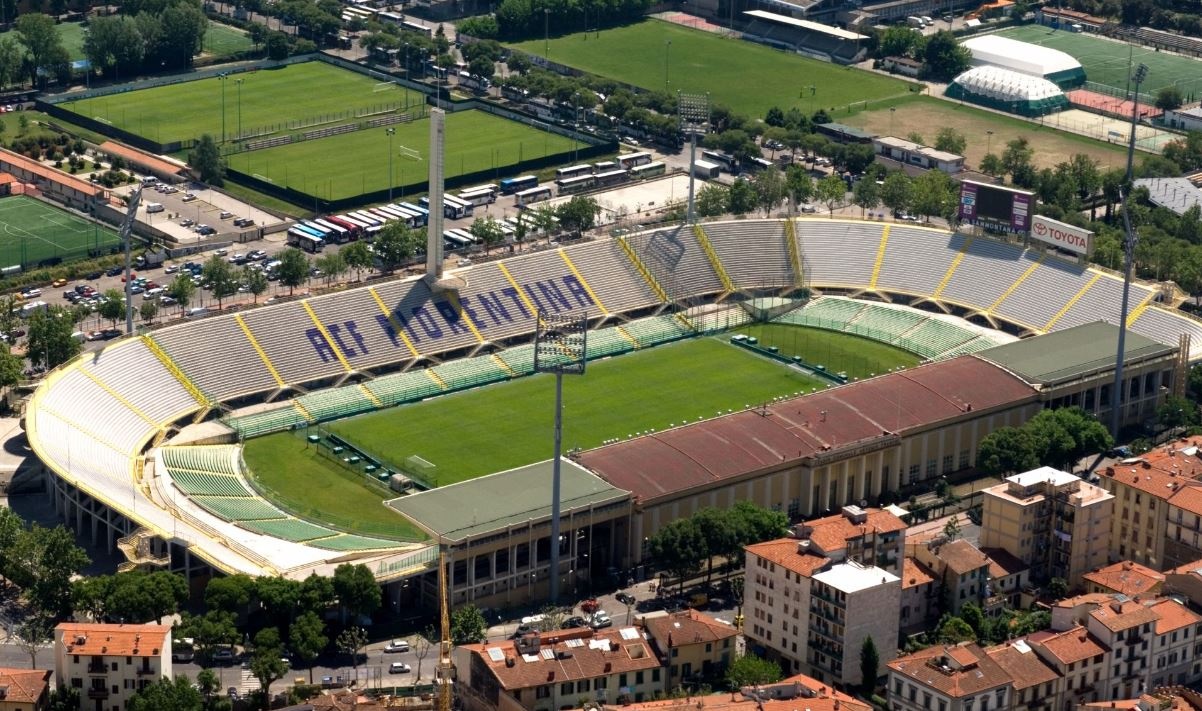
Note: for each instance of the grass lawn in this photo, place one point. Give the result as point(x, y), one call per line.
point(222, 40)
point(745, 77)
point(839, 352)
point(31, 231)
point(925, 115)
point(1105, 60)
point(313, 488)
point(355, 163)
point(263, 104)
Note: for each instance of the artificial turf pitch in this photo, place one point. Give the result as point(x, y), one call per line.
point(32, 231)
point(502, 426)
point(746, 77)
point(355, 163)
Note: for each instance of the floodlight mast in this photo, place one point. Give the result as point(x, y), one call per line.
point(560, 347)
point(694, 113)
point(127, 231)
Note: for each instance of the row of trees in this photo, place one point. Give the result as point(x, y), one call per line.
point(146, 36)
point(518, 19)
point(685, 545)
point(1057, 438)
point(942, 56)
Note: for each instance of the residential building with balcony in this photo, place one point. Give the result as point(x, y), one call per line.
point(24, 689)
point(1127, 628)
point(1009, 579)
point(692, 643)
point(1037, 686)
point(1051, 520)
point(962, 568)
point(1183, 533)
point(1177, 645)
point(869, 536)
point(849, 603)
point(1125, 577)
point(1185, 580)
point(109, 663)
point(919, 597)
point(949, 678)
point(1079, 659)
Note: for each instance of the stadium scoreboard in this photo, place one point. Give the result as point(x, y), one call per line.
point(997, 208)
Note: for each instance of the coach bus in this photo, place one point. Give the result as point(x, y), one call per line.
point(755, 163)
point(633, 160)
point(484, 195)
point(573, 171)
point(374, 224)
point(305, 229)
point(410, 26)
point(453, 240)
point(580, 183)
point(305, 241)
point(352, 230)
point(326, 234)
point(509, 186)
point(338, 233)
point(452, 207)
point(361, 226)
point(648, 170)
point(610, 177)
point(605, 166)
point(530, 195)
point(412, 217)
point(727, 162)
point(423, 213)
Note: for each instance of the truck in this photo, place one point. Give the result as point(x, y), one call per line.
point(149, 260)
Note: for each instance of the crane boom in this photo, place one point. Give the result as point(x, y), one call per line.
point(446, 666)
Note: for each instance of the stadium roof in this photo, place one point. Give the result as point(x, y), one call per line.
point(504, 499)
point(1071, 353)
point(1006, 85)
point(1031, 59)
point(1176, 194)
point(806, 25)
point(865, 413)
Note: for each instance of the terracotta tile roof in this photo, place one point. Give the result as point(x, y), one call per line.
point(47, 173)
point(1162, 472)
point(113, 640)
point(1024, 666)
point(572, 658)
point(140, 158)
point(784, 552)
point(1117, 616)
point(1127, 577)
point(25, 686)
point(915, 573)
point(1086, 599)
point(1191, 568)
point(1172, 615)
point(792, 694)
point(1157, 700)
point(832, 533)
point(1188, 498)
point(961, 556)
point(1002, 563)
point(687, 627)
point(923, 667)
point(1070, 646)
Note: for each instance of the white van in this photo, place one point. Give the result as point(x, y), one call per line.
point(152, 207)
point(197, 312)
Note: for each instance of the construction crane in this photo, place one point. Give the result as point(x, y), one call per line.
point(445, 675)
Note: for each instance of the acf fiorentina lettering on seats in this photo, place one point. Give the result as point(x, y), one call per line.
point(439, 318)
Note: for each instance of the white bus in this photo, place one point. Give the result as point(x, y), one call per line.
point(611, 177)
point(532, 195)
point(649, 170)
point(632, 160)
point(580, 183)
point(339, 233)
point(479, 196)
point(305, 241)
point(573, 171)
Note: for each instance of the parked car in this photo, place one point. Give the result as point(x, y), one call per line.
point(399, 668)
point(189, 197)
point(574, 622)
point(600, 619)
point(625, 598)
point(397, 645)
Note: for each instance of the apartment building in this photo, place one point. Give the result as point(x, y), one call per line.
point(24, 689)
point(919, 596)
point(108, 662)
point(1127, 628)
point(1183, 534)
point(949, 678)
point(1051, 520)
point(1037, 686)
point(692, 643)
point(1125, 577)
point(962, 568)
point(870, 536)
point(1176, 659)
point(851, 602)
point(1079, 659)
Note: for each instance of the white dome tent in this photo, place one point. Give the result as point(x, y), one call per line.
point(1025, 58)
point(1008, 90)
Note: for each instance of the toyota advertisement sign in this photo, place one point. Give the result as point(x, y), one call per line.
point(1062, 235)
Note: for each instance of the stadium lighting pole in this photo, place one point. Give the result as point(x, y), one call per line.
point(560, 343)
point(988, 141)
point(546, 33)
point(391, 132)
point(693, 111)
point(667, 49)
point(238, 83)
point(1129, 244)
point(222, 78)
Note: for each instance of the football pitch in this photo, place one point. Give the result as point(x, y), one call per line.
point(356, 163)
point(748, 78)
point(1106, 61)
point(32, 231)
point(257, 103)
point(507, 425)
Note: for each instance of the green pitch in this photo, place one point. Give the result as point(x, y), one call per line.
point(356, 163)
point(839, 352)
point(32, 231)
point(745, 77)
point(1105, 60)
point(222, 40)
point(262, 104)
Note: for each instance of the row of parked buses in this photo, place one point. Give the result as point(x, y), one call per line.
point(587, 176)
point(313, 235)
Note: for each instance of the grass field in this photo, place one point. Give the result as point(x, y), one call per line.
point(31, 231)
point(839, 352)
point(925, 115)
point(747, 78)
point(356, 163)
point(222, 40)
point(1105, 60)
point(263, 104)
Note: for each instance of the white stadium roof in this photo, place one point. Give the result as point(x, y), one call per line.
point(1003, 84)
point(1019, 56)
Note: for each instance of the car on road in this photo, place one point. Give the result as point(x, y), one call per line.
point(30, 293)
point(522, 631)
point(170, 269)
point(256, 254)
point(187, 222)
point(625, 598)
point(397, 645)
point(600, 619)
point(94, 275)
point(189, 197)
point(223, 656)
point(399, 668)
point(574, 622)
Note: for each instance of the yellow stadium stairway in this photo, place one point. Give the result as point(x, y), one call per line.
point(728, 286)
point(642, 269)
point(794, 254)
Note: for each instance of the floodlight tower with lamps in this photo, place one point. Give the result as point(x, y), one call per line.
point(391, 132)
point(1130, 241)
point(694, 113)
point(560, 342)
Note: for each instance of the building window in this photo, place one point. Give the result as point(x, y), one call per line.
point(542, 692)
point(932, 468)
point(947, 464)
point(565, 689)
point(963, 458)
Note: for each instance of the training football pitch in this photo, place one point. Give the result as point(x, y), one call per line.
point(32, 231)
point(356, 163)
point(1105, 60)
point(507, 425)
point(746, 77)
point(257, 103)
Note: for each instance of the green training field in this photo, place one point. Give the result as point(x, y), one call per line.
point(32, 231)
point(1105, 60)
point(839, 352)
point(355, 163)
point(222, 40)
point(748, 78)
point(262, 104)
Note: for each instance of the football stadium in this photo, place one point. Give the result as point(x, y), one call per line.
point(408, 406)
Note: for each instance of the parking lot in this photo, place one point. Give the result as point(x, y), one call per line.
point(181, 211)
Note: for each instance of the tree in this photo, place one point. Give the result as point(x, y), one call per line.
point(316, 593)
point(421, 648)
point(40, 36)
point(139, 597)
point(357, 256)
point(1063, 435)
point(870, 664)
point(181, 289)
point(1016, 158)
point(742, 198)
point(992, 166)
point(267, 664)
point(148, 309)
point(951, 529)
point(332, 265)
point(1007, 450)
point(488, 231)
point(350, 642)
point(50, 343)
point(866, 194)
point(950, 140)
point(114, 43)
point(33, 634)
point(933, 194)
point(206, 160)
point(953, 630)
point(750, 670)
point(277, 45)
point(721, 533)
point(177, 694)
point(231, 593)
point(255, 282)
point(113, 307)
point(183, 28)
point(831, 191)
point(356, 589)
point(293, 269)
point(467, 625)
point(1057, 588)
point(799, 186)
point(579, 214)
point(897, 192)
point(395, 244)
point(679, 548)
point(12, 366)
point(944, 56)
point(64, 698)
point(1176, 412)
point(755, 524)
point(11, 55)
point(711, 200)
point(209, 631)
point(769, 187)
point(42, 563)
point(1169, 98)
point(220, 276)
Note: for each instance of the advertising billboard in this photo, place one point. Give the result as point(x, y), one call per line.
point(996, 208)
point(1062, 235)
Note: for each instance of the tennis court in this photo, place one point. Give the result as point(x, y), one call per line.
point(33, 233)
point(1107, 61)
